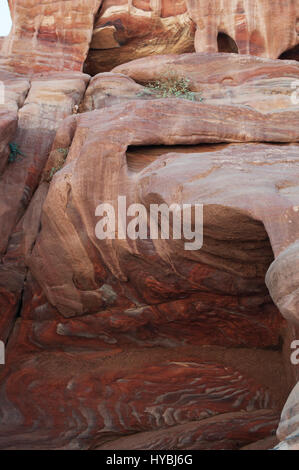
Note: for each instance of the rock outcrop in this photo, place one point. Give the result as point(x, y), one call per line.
point(259, 27)
point(8, 126)
point(126, 30)
point(105, 33)
point(48, 36)
point(289, 424)
point(48, 102)
point(228, 431)
point(89, 320)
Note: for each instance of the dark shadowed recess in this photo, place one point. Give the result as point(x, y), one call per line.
point(227, 44)
point(290, 54)
point(139, 158)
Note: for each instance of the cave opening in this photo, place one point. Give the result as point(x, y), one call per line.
point(290, 54)
point(227, 44)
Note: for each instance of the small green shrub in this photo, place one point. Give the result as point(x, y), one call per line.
point(59, 163)
point(15, 153)
point(54, 170)
point(64, 151)
point(173, 86)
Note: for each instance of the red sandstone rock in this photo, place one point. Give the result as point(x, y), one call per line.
point(123, 33)
point(48, 36)
point(212, 71)
point(48, 102)
point(108, 89)
point(129, 30)
point(8, 126)
point(216, 79)
point(13, 269)
point(95, 154)
point(264, 444)
point(14, 89)
point(225, 432)
point(259, 27)
point(289, 424)
point(60, 36)
point(126, 337)
point(151, 287)
point(77, 401)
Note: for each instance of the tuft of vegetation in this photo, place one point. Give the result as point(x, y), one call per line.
point(15, 153)
point(64, 152)
point(53, 170)
point(59, 163)
point(173, 86)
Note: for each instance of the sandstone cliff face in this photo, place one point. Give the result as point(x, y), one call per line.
point(83, 316)
point(48, 36)
point(135, 29)
point(141, 344)
point(126, 30)
point(259, 27)
point(105, 33)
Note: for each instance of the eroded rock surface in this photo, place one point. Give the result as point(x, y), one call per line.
point(139, 343)
point(93, 156)
point(48, 102)
point(48, 36)
point(261, 84)
point(224, 432)
point(78, 401)
point(127, 30)
point(105, 33)
point(289, 424)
